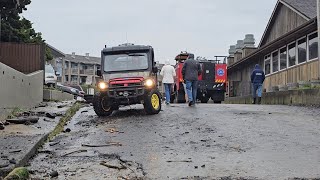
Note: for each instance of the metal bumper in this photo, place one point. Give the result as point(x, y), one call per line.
point(205, 86)
point(127, 92)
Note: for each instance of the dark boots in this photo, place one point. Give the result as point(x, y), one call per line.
point(254, 100)
point(259, 100)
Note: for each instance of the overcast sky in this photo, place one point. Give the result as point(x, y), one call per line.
point(204, 27)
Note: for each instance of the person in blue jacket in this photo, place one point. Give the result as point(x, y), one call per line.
point(257, 79)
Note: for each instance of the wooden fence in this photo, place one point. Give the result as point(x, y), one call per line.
point(26, 58)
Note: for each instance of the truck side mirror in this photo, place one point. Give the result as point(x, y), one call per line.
point(99, 73)
point(155, 70)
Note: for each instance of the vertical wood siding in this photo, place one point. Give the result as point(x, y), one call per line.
point(26, 58)
point(285, 20)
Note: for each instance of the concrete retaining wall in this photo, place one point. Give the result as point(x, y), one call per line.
point(18, 89)
point(292, 97)
point(54, 95)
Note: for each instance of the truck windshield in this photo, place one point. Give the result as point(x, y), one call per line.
point(125, 62)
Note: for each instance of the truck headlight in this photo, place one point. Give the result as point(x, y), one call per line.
point(149, 83)
point(103, 85)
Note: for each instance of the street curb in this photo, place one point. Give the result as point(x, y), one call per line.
point(42, 140)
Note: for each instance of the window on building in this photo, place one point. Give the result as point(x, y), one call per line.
point(292, 54)
point(267, 64)
point(313, 46)
point(74, 65)
point(66, 64)
point(275, 61)
point(74, 78)
point(67, 78)
point(302, 50)
point(283, 58)
point(83, 80)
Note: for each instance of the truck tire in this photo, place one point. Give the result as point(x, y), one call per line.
point(152, 102)
point(181, 97)
point(217, 102)
point(101, 105)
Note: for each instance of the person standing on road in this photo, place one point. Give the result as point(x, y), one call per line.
point(190, 72)
point(257, 79)
point(168, 73)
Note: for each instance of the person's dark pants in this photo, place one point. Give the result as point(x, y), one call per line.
point(167, 88)
point(192, 87)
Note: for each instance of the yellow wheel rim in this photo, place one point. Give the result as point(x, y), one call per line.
point(155, 101)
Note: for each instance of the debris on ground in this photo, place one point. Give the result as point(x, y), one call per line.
point(112, 130)
point(186, 161)
point(15, 151)
point(67, 130)
point(51, 115)
point(103, 163)
point(54, 174)
point(74, 152)
point(54, 143)
point(62, 106)
point(4, 165)
point(23, 120)
point(42, 105)
point(84, 111)
point(46, 120)
point(12, 161)
point(103, 145)
point(1, 126)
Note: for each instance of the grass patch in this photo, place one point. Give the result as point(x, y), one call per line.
point(15, 113)
point(20, 173)
point(67, 117)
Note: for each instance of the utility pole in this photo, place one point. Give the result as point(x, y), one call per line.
point(318, 22)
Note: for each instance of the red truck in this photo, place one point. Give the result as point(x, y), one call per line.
point(212, 81)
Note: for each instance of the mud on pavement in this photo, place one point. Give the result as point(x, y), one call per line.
point(25, 130)
point(205, 142)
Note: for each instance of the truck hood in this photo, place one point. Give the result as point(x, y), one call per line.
point(107, 77)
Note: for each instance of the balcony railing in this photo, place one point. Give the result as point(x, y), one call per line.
point(90, 71)
point(66, 71)
point(82, 71)
point(74, 71)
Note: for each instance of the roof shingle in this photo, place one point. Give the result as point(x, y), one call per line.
point(306, 7)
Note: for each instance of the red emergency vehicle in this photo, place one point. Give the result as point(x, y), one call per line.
point(212, 81)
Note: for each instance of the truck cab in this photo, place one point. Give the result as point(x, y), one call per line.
point(128, 76)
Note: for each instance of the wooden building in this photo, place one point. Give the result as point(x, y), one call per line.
point(288, 50)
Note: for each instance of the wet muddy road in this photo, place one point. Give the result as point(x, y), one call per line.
point(204, 142)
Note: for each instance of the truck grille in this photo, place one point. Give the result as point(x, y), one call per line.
point(125, 85)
